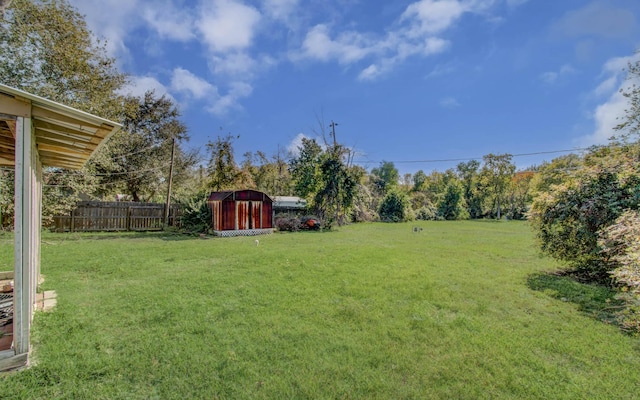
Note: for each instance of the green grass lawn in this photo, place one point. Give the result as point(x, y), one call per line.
point(371, 311)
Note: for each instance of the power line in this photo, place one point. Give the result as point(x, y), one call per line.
point(473, 158)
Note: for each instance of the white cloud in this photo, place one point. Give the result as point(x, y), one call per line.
point(139, 85)
point(598, 18)
point(224, 104)
point(433, 16)
point(280, 9)
point(551, 77)
point(234, 63)
point(186, 82)
point(450, 102)
point(516, 3)
point(169, 21)
point(608, 114)
point(296, 144)
point(415, 33)
point(122, 17)
point(347, 48)
point(228, 25)
point(441, 70)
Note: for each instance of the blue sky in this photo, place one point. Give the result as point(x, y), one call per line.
point(404, 80)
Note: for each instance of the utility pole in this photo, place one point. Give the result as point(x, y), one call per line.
point(333, 132)
point(168, 204)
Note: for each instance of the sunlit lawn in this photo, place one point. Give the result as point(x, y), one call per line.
point(370, 311)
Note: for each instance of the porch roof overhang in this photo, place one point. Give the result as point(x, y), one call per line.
point(65, 137)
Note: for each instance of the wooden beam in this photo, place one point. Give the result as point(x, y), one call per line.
point(63, 141)
point(48, 148)
point(22, 216)
point(12, 127)
point(46, 114)
point(14, 362)
point(52, 127)
point(12, 106)
point(62, 163)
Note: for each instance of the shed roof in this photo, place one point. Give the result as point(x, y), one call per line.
point(65, 137)
point(246, 194)
point(289, 202)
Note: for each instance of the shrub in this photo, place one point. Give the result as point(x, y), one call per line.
point(196, 215)
point(568, 218)
point(621, 249)
point(287, 223)
point(395, 208)
point(452, 206)
point(427, 213)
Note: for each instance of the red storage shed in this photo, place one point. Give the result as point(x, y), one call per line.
point(241, 213)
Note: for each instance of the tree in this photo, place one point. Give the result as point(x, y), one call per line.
point(338, 186)
point(325, 180)
point(305, 169)
point(568, 219)
point(555, 172)
point(385, 178)
point(452, 205)
point(519, 194)
point(496, 175)
point(136, 160)
point(395, 207)
point(620, 248)
point(468, 174)
point(222, 170)
point(419, 180)
point(268, 175)
point(6, 198)
point(47, 49)
point(631, 123)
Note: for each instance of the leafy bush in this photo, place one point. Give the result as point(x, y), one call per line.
point(287, 223)
point(621, 249)
point(427, 213)
point(452, 206)
point(395, 208)
point(196, 215)
point(567, 219)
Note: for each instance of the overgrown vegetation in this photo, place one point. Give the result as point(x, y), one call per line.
point(446, 312)
point(586, 211)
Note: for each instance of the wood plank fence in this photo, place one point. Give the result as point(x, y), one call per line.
point(116, 216)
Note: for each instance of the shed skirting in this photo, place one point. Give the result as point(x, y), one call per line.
point(244, 232)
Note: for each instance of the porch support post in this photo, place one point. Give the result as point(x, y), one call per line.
point(28, 216)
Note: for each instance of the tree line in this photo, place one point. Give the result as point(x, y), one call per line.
point(582, 208)
point(47, 49)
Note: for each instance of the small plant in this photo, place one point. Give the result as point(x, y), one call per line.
point(196, 217)
point(287, 224)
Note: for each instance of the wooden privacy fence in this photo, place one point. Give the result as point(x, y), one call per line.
point(116, 216)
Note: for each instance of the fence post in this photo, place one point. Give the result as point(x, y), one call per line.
point(128, 218)
point(73, 214)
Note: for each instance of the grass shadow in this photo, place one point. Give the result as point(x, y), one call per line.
point(163, 235)
point(596, 301)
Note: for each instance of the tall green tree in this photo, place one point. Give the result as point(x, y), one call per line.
point(452, 205)
point(47, 49)
point(326, 181)
point(496, 174)
point(395, 207)
point(630, 126)
point(305, 169)
point(469, 176)
point(222, 170)
point(419, 181)
point(136, 160)
point(385, 178)
point(569, 218)
point(270, 175)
